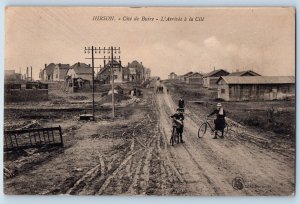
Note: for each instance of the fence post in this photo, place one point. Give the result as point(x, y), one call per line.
point(60, 134)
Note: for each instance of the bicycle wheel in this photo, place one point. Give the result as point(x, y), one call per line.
point(202, 130)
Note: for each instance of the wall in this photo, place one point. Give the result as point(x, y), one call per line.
point(195, 80)
point(19, 95)
point(223, 90)
point(258, 92)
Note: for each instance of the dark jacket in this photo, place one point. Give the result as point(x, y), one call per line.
point(181, 103)
point(179, 117)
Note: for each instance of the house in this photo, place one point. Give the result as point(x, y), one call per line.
point(104, 74)
point(195, 78)
point(184, 77)
point(11, 75)
point(135, 72)
point(210, 79)
point(147, 74)
point(244, 73)
point(80, 70)
point(172, 75)
point(60, 72)
point(46, 74)
point(236, 88)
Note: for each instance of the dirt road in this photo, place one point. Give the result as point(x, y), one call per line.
point(131, 155)
point(209, 167)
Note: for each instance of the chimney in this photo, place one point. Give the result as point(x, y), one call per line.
point(59, 65)
point(45, 65)
point(78, 63)
point(27, 72)
point(31, 73)
point(214, 68)
point(104, 62)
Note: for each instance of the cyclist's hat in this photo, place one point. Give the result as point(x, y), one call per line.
point(219, 105)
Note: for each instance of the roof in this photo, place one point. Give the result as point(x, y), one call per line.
point(63, 66)
point(243, 73)
point(212, 73)
point(108, 66)
point(82, 68)
point(195, 73)
point(258, 79)
point(187, 74)
point(135, 64)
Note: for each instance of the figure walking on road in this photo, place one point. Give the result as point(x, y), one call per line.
point(219, 121)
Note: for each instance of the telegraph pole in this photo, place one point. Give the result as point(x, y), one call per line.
point(112, 83)
point(93, 86)
point(109, 50)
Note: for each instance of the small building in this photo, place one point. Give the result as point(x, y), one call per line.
point(195, 78)
point(104, 74)
point(210, 79)
point(147, 74)
point(244, 73)
point(80, 70)
point(46, 74)
point(186, 76)
point(236, 88)
point(11, 75)
point(60, 72)
point(172, 75)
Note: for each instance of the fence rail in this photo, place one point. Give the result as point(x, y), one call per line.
point(32, 138)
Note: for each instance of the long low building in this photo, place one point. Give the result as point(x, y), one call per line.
point(236, 88)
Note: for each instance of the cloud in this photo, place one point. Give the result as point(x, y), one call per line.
point(212, 42)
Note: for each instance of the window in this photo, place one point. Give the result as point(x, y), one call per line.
point(222, 91)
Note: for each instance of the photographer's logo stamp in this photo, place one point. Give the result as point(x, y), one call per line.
point(238, 183)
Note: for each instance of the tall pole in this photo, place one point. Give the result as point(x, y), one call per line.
point(93, 83)
point(30, 73)
point(112, 83)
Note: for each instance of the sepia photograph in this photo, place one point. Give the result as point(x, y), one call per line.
point(164, 101)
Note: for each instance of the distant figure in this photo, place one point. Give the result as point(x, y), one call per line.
point(80, 82)
point(219, 121)
point(167, 91)
point(181, 104)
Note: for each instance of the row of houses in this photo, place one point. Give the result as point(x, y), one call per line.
point(134, 72)
point(242, 85)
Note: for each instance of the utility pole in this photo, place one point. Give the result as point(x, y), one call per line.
point(112, 83)
point(103, 51)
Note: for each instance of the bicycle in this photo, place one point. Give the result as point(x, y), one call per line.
point(174, 137)
point(203, 128)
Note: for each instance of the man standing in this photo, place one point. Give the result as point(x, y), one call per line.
point(181, 104)
point(178, 123)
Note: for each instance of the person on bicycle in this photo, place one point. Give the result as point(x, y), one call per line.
point(181, 104)
point(219, 121)
point(177, 123)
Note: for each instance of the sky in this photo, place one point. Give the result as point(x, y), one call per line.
point(261, 39)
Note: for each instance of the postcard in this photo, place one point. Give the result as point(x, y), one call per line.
point(188, 101)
